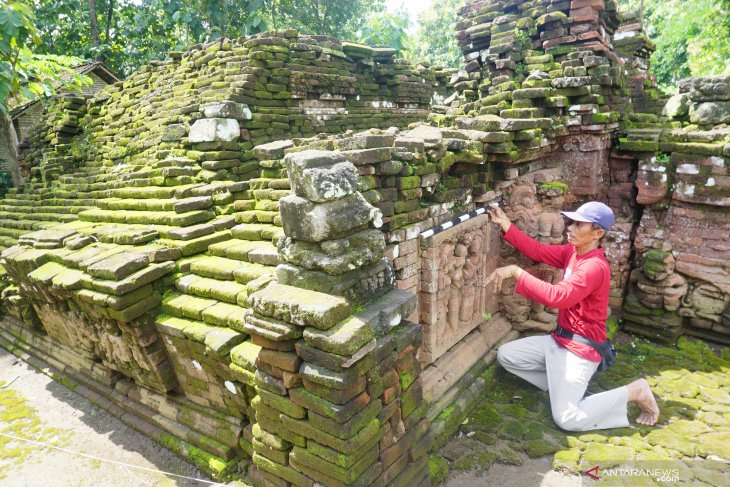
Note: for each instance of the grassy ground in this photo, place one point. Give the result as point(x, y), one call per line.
point(691, 441)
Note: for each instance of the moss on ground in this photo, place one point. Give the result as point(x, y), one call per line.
point(691, 382)
point(438, 468)
point(18, 419)
point(481, 460)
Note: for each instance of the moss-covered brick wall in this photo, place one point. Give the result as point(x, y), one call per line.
point(678, 284)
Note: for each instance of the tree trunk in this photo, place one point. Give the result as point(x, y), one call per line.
point(11, 139)
point(94, 27)
point(109, 14)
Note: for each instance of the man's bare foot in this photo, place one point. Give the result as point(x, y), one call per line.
point(640, 393)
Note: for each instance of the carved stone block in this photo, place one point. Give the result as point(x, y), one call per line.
point(453, 298)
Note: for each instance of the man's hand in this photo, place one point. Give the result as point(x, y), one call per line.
point(497, 216)
point(501, 274)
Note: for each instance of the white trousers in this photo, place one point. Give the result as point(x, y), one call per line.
point(540, 361)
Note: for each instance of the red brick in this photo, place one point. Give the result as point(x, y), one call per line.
point(409, 246)
point(558, 41)
point(599, 5)
point(409, 283)
point(405, 260)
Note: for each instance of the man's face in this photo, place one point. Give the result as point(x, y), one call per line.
point(582, 234)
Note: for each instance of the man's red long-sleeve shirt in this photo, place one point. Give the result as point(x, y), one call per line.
point(581, 297)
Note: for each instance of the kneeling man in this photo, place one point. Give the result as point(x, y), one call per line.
point(563, 362)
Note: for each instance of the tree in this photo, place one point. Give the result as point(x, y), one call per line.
point(94, 21)
point(24, 75)
point(385, 28)
point(136, 32)
point(126, 34)
point(692, 37)
point(435, 37)
point(323, 17)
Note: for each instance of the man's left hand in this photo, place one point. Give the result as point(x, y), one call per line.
point(501, 274)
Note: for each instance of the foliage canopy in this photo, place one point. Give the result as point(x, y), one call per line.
point(25, 75)
point(435, 37)
point(126, 34)
point(692, 37)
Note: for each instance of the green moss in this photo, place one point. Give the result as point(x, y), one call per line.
point(65, 381)
point(216, 467)
point(480, 459)
point(593, 438)
point(438, 468)
point(611, 327)
point(638, 145)
point(539, 448)
point(555, 185)
point(574, 442)
point(508, 456)
point(607, 455)
point(485, 437)
point(484, 418)
point(663, 157)
point(447, 412)
point(533, 431)
point(19, 419)
point(406, 379)
point(669, 439)
point(567, 460)
point(516, 411)
point(512, 429)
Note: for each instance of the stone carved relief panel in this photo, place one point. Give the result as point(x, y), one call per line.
point(546, 225)
point(453, 297)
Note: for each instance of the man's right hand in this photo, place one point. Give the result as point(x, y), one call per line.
point(497, 216)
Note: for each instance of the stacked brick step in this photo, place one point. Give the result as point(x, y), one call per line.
point(19, 214)
point(185, 120)
point(54, 149)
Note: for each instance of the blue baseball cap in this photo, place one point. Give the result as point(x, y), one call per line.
point(593, 212)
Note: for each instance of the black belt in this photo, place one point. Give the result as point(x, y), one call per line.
point(605, 349)
point(562, 332)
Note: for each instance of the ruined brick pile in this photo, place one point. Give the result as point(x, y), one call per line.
point(157, 219)
point(542, 63)
point(679, 285)
point(194, 119)
point(635, 48)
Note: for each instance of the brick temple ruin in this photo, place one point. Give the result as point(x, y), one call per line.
point(230, 250)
